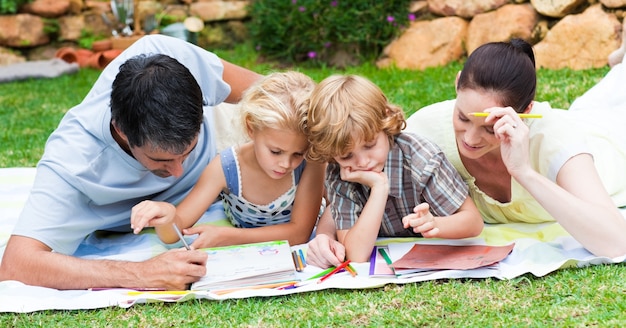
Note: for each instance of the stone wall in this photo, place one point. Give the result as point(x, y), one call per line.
point(578, 34)
point(565, 33)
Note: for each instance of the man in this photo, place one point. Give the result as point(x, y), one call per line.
point(152, 143)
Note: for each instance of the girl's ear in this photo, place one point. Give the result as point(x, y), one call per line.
point(456, 81)
point(249, 130)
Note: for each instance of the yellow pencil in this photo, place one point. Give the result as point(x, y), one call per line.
point(160, 292)
point(521, 115)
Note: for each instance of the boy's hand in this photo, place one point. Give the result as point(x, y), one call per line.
point(150, 213)
point(422, 221)
point(325, 252)
point(367, 178)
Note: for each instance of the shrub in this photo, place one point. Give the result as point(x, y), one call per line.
point(11, 6)
point(324, 31)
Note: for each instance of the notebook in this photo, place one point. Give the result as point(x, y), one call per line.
point(248, 265)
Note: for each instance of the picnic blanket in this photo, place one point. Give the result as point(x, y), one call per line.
point(36, 69)
point(539, 249)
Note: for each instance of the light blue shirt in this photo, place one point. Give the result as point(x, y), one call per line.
point(86, 182)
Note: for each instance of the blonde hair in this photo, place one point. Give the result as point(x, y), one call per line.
point(278, 101)
point(346, 109)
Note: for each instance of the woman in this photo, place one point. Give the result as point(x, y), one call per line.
point(568, 166)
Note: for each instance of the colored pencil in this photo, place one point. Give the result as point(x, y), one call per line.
point(521, 115)
point(296, 261)
point(335, 270)
point(302, 258)
point(137, 289)
point(180, 236)
point(160, 292)
point(350, 269)
point(321, 274)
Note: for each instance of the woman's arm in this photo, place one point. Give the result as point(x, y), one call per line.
point(579, 202)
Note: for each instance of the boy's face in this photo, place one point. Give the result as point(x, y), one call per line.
point(366, 155)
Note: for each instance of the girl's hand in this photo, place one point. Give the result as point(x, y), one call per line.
point(150, 214)
point(208, 236)
point(422, 221)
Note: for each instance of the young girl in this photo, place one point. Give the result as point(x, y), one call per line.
point(382, 182)
point(264, 184)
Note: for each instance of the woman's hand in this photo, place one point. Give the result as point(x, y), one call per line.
point(512, 132)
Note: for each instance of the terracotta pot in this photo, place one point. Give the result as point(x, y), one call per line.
point(67, 54)
point(96, 61)
point(109, 55)
point(101, 45)
point(83, 56)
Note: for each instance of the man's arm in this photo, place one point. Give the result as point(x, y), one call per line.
point(239, 79)
point(33, 263)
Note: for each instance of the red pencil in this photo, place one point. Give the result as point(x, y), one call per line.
point(341, 266)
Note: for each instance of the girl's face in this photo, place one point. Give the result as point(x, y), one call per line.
point(474, 138)
point(279, 152)
point(366, 155)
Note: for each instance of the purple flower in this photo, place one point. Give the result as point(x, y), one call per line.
point(411, 17)
point(390, 19)
point(312, 54)
point(258, 47)
point(294, 1)
point(328, 44)
point(333, 3)
point(302, 9)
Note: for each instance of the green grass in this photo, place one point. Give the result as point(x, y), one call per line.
point(593, 296)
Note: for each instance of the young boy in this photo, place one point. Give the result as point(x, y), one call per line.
point(382, 182)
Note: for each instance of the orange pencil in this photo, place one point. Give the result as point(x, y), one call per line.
point(350, 269)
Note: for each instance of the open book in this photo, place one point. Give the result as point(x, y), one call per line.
point(405, 260)
point(247, 265)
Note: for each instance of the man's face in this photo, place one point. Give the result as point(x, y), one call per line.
point(162, 163)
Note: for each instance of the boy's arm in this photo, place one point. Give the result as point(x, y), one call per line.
point(464, 223)
point(361, 237)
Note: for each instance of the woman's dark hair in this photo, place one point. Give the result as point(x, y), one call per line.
point(505, 68)
point(156, 101)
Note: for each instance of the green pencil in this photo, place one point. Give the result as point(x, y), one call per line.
point(323, 273)
point(387, 259)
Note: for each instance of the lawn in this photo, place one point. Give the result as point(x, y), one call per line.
point(592, 296)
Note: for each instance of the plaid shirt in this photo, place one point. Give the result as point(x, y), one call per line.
point(418, 172)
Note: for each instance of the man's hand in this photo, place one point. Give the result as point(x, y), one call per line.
point(174, 270)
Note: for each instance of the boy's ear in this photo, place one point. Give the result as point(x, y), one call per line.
point(456, 81)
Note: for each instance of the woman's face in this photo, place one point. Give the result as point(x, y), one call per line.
point(474, 138)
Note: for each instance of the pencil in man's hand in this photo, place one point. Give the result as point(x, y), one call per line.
point(180, 236)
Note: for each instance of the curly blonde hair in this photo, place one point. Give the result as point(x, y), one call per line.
point(346, 109)
point(278, 101)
